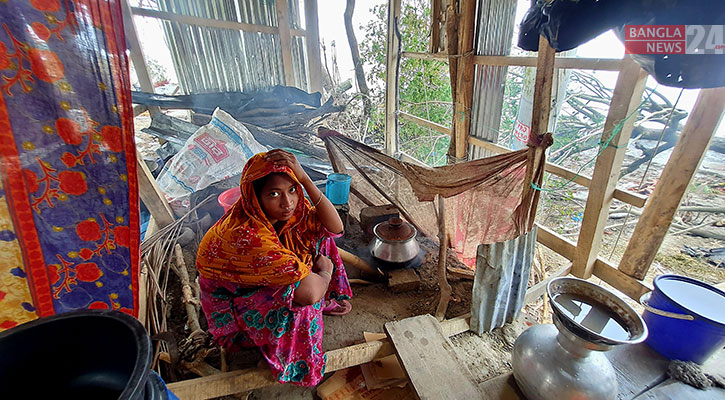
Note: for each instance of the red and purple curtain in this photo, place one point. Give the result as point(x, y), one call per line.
point(69, 211)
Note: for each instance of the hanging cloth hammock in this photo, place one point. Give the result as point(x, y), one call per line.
point(485, 202)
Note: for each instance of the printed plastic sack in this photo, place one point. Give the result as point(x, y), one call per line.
point(217, 151)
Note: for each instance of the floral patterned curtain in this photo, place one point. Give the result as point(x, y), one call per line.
point(69, 228)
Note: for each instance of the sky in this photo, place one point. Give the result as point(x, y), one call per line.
point(332, 28)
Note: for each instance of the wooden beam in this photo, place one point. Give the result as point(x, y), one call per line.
point(425, 123)
point(542, 88)
point(671, 187)
point(392, 65)
point(209, 22)
point(435, 26)
point(633, 288)
point(626, 99)
point(464, 82)
point(152, 196)
point(634, 199)
point(602, 268)
point(539, 127)
point(312, 44)
point(232, 382)
point(534, 292)
point(136, 53)
point(285, 41)
point(596, 64)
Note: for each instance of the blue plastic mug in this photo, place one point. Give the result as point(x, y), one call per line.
point(337, 188)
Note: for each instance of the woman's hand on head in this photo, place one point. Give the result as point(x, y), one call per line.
point(285, 158)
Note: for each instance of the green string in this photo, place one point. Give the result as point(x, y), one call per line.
point(617, 129)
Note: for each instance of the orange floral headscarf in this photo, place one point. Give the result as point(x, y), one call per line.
point(243, 246)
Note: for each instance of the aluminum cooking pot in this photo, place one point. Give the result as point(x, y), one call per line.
point(394, 241)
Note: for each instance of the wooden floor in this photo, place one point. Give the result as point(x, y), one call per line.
point(641, 375)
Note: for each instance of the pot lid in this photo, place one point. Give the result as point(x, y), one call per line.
point(395, 230)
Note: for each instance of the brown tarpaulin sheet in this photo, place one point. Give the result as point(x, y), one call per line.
point(484, 202)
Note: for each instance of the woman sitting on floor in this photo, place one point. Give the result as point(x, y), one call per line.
point(269, 266)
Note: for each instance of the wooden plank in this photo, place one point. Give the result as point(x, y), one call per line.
point(312, 44)
point(463, 95)
point(392, 65)
point(539, 289)
point(232, 382)
point(285, 41)
point(425, 123)
point(136, 53)
point(602, 268)
point(152, 196)
point(625, 100)
point(634, 199)
point(429, 359)
point(638, 369)
point(619, 280)
point(673, 182)
point(502, 387)
point(597, 64)
point(208, 22)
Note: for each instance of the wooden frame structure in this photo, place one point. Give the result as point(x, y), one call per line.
point(656, 218)
point(659, 209)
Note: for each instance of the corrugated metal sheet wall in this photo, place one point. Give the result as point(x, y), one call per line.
point(501, 280)
point(496, 19)
point(212, 59)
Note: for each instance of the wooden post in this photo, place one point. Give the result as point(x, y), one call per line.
point(312, 42)
point(539, 126)
point(392, 65)
point(435, 26)
point(285, 41)
point(137, 57)
point(672, 184)
point(442, 255)
point(152, 196)
point(626, 98)
point(464, 80)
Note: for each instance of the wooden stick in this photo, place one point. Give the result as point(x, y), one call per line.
point(442, 255)
point(356, 262)
point(190, 301)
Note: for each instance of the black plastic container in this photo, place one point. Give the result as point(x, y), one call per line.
point(89, 354)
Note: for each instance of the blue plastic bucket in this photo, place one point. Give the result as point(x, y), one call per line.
point(685, 318)
point(337, 188)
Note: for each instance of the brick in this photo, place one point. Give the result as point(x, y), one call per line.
point(371, 216)
point(403, 280)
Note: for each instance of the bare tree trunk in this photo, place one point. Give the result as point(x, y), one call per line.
point(359, 72)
